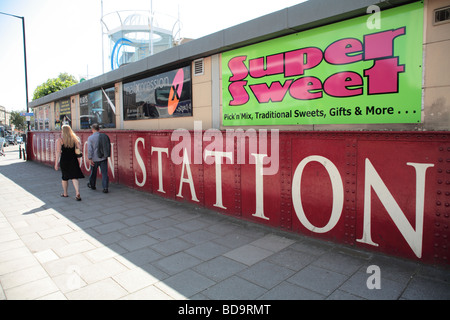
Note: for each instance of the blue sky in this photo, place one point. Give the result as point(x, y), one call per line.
point(66, 36)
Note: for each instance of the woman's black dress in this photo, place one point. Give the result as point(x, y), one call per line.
point(70, 167)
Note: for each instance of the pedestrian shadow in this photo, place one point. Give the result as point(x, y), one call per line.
point(35, 210)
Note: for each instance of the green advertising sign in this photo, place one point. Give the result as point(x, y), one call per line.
point(344, 73)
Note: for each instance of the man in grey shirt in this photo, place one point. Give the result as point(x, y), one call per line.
point(99, 149)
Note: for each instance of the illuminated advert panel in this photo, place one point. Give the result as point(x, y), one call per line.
point(165, 95)
point(351, 72)
point(63, 113)
point(98, 107)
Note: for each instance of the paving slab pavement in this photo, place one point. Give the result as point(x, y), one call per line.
point(129, 244)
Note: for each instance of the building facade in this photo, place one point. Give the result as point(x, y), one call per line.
point(328, 119)
point(5, 117)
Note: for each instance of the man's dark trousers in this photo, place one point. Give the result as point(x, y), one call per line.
point(104, 170)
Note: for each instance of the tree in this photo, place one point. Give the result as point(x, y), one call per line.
point(18, 121)
point(64, 80)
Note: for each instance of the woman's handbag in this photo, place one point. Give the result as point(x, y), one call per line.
point(78, 153)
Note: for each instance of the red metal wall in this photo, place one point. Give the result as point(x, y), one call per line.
point(388, 192)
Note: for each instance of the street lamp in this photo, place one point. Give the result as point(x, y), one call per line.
point(24, 59)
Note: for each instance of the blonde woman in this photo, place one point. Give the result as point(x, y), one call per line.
point(65, 155)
